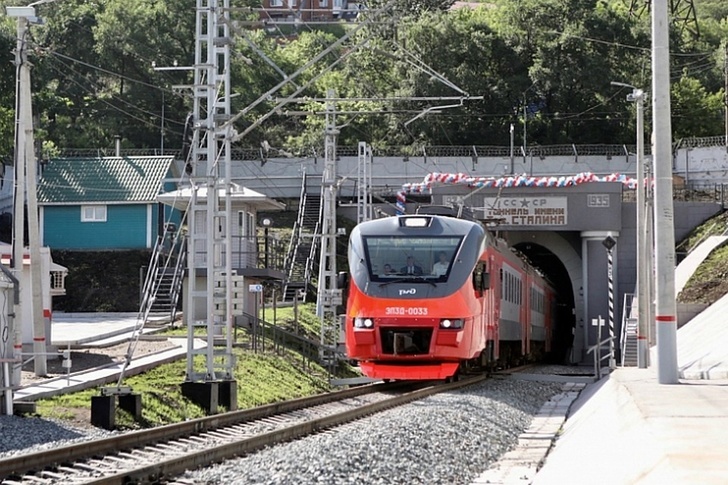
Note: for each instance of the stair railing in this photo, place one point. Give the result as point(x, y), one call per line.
point(295, 241)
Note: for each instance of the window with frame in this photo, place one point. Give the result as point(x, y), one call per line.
point(93, 213)
point(323, 3)
point(276, 3)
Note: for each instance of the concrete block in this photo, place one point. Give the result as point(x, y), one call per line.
point(103, 411)
point(132, 403)
point(204, 394)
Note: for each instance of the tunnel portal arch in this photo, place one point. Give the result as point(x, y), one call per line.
point(556, 256)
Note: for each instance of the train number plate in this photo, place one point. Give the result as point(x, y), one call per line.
point(408, 311)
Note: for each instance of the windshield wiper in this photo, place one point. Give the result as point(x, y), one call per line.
point(398, 280)
point(416, 279)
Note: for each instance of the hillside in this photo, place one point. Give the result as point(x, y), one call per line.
point(710, 281)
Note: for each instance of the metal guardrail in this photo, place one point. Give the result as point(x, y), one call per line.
point(596, 349)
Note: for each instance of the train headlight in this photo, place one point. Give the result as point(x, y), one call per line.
point(456, 323)
point(363, 323)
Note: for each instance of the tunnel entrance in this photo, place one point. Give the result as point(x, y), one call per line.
point(565, 318)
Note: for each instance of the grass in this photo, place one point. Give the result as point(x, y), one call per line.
point(710, 281)
point(262, 377)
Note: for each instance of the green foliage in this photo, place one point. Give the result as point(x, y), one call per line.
point(695, 112)
point(101, 281)
point(262, 379)
point(710, 280)
point(93, 75)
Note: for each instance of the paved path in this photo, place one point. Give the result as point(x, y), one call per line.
point(99, 376)
point(89, 330)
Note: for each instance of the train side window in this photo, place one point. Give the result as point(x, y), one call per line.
point(502, 283)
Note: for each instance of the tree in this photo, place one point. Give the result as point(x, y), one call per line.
point(7, 91)
point(695, 112)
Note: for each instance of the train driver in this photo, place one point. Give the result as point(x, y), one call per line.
point(411, 267)
point(388, 270)
point(441, 266)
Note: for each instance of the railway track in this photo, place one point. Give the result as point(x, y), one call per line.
point(159, 454)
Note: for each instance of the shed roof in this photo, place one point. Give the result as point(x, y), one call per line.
point(180, 199)
point(103, 179)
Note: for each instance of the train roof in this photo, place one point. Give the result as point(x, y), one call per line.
point(435, 224)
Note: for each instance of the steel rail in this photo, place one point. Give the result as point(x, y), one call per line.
point(22, 464)
point(167, 469)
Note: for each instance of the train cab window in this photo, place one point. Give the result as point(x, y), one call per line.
point(422, 258)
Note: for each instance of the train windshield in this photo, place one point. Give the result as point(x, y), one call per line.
point(401, 257)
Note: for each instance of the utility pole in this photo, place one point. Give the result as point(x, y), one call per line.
point(25, 179)
point(364, 183)
point(665, 310)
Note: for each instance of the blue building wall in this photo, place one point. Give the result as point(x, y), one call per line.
point(125, 228)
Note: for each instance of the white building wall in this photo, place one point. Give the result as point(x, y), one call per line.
point(26, 293)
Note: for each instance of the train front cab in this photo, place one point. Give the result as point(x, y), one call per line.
point(420, 327)
point(418, 347)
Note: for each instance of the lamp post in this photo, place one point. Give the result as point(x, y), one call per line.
point(525, 120)
point(643, 269)
point(512, 167)
point(266, 222)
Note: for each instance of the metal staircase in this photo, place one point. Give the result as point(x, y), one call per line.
point(164, 278)
point(162, 287)
point(304, 244)
point(630, 332)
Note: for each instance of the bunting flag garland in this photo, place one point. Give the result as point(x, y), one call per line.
point(522, 180)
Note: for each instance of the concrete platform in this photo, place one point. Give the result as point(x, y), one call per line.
point(629, 429)
point(79, 330)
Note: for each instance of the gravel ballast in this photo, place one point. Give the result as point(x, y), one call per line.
point(444, 439)
point(447, 438)
point(28, 435)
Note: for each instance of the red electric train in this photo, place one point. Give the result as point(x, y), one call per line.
point(430, 294)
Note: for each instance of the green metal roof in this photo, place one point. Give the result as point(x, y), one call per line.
point(99, 180)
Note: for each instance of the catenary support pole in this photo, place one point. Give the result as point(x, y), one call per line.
point(665, 309)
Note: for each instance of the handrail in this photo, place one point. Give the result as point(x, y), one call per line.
point(293, 244)
point(597, 359)
point(626, 315)
point(596, 349)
